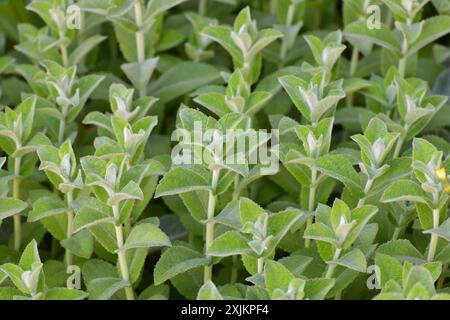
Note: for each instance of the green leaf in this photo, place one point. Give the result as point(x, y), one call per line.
point(181, 79)
point(359, 32)
point(265, 37)
point(228, 244)
point(419, 275)
point(95, 268)
point(320, 232)
point(105, 288)
point(277, 276)
point(65, 294)
point(46, 207)
point(146, 235)
point(222, 35)
point(30, 255)
point(209, 292)
point(354, 260)
point(442, 231)
point(340, 168)
point(404, 190)
point(80, 244)
point(153, 292)
point(89, 216)
point(15, 274)
point(389, 269)
point(8, 293)
point(177, 260)
point(249, 211)
point(317, 289)
point(10, 207)
point(135, 261)
point(184, 179)
point(214, 102)
point(157, 7)
point(55, 273)
point(433, 29)
point(84, 47)
point(402, 250)
point(139, 73)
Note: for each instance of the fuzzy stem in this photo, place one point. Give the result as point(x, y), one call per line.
point(353, 67)
point(16, 195)
point(190, 238)
point(311, 202)
point(69, 257)
point(332, 267)
point(399, 146)
point(236, 189)
point(122, 255)
point(284, 44)
point(140, 42)
point(236, 195)
point(260, 265)
point(402, 67)
point(64, 55)
point(434, 237)
point(396, 233)
point(140, 39)
point(202, 7)
point(273, 7)
point(234, 270)
point(367, 188)
point(62, 129)
point(441, 281)
point(210, 223)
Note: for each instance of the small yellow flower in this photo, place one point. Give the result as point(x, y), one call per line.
point(442, 174)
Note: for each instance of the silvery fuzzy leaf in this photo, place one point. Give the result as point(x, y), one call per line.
point(139, 73)
point(209, 292)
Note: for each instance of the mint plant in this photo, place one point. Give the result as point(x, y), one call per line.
point(29, 280)
point(217, 149)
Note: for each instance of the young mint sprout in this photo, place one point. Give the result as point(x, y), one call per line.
point(60, 167)
point(197, 47)
point(244, 42)
point(376, 144)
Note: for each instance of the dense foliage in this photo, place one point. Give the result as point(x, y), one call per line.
point(352, 98)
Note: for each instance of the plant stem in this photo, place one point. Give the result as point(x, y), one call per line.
point(273, 7)
point(54, 246)
point(399, 146)
point(396, 233)
point(202, 6)
point(402, 67)
point(311, 202)
point(16, 195)
point(434, 237)
point(190, 238)
point(210, 223)
point(64, 55)
point(236, 190)
point(441, 281)
point(140, 39)
point(62, 129)
point(234, 270)
point(122, 255)
point(367, 188)
point(353, 67)
point(260, 265)
point(69, 257)
point(332, 267)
